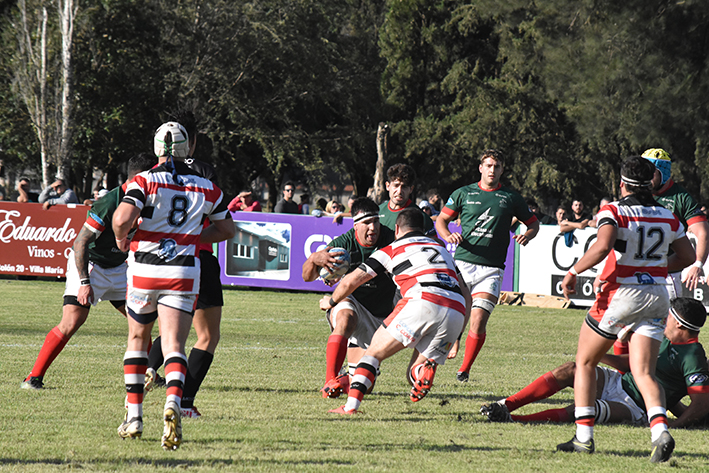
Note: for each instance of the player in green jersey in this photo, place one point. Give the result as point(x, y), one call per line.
point(96, 270)
point(485, 209)
point(355, 319)
point(400, 186)
point(681, 370)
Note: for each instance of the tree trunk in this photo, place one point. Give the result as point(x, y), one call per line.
point(67, 12)
point(378, 192)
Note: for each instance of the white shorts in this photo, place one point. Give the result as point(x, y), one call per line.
point(146, 302)
point(641, 309)
point(107, 284)
point(430, 328)
point(479, 278)
point(367, 324)
point(613, 392)
point(674, 284)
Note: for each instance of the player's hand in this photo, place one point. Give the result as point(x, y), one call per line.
point(598, 285)
point(454, 350)
point(568, 285)
point(325, 302)
point(85, 295)
point(327, 260)
point(123, 245)
point(455, 238)
point(693, 277)
point(522, 239)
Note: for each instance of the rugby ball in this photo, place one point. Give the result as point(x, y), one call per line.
point(341, 267)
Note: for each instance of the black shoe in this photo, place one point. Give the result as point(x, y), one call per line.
point(462, 376)
point(662, 448)
point(33, 383)
point(574, 445)
point(496, 412)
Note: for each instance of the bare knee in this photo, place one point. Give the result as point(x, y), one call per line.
point(564, 374)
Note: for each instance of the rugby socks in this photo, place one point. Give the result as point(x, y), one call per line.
point(134, 365)
point(155, 359)
point(54, 343)
point(175, 371)
point(585, 419)
point(197, 367)
point(620, 348)
point(658, 421)
point(541, 388)
point(364, 377)
point(551, 415)
point(473, 343)
point(335, 354)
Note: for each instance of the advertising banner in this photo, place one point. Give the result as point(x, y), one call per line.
point(36, 242)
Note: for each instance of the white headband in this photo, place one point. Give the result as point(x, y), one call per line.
point(633, 182)
point(364, 216)
point(683, 322)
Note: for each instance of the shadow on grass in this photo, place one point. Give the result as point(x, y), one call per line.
point(212, 463)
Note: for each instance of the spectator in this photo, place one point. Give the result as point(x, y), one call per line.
point(543, 218)
point(24, 194)
point(577, 219)
point(287, 205)
point(560, 214)
point(99, 191)
point(319, 209)
point(57, 194)
point(433, 198)
point(245, 202)
point(304, 207)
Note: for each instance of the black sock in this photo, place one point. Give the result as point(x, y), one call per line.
point(155, 359)
point(197, 366)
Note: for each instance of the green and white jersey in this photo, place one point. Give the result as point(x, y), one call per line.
point(677, 200)
point(681, 370)
point(387, 217)
point(485, 219)
point(376, 295)
point(103, 251)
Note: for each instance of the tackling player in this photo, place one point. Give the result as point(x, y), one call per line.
point(355, 319)
point(486, 210)
point(164, 270)
point(96, 271)
point(429, 317)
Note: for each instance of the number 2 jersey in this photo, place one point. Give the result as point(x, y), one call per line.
point(485, 220)
point(645, 232)
point(173, 209)
point(422, 269)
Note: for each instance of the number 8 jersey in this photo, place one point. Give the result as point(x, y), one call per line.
point(645, 232)
point(173, 209)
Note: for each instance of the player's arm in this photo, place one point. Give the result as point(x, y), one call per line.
point(124, 219)
point(697, 409)
point(700, 229)
point(619, 362)
point(219, 230)
point(605, 239)
point(444, 218)
point(320, 259)
point(346, 287)
point(526, 237)
point(85, 294)
point(683, 255)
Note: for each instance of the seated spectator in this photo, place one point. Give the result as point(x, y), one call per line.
point(244, 202)
point(319, 209)
point(287, 205)
point(304, 206)
point(24, 195)
point(57, 194)
point(334, 208)
point(339, 216)
point(534, 208)
point(560, 214)
point(577, 219)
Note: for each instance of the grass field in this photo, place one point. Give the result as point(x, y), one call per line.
point(262, 410)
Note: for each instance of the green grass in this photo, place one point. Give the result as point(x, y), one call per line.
point(262, 410)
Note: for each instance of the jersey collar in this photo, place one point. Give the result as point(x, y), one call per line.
point(499, 184)
point(666, 187)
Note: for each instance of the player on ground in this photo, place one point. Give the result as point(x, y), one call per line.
point(429, 317)
point(634, 237)
point(208, 314)
point(400, 185)
point(681, 370)
point(163, 271)
point(486, 209)
point(96, 271)
point(355, 319)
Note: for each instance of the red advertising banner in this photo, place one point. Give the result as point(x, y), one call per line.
point(36, 242)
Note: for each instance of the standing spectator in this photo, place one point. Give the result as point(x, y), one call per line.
point(304, 206)
point(164, 272)
point(24, 195)
point(631, 304)
point(543, 218)
point(94, 254)
point(245, 202)
point(57, 194)
point(400, 185)
point(287, 205)
point(486, 210)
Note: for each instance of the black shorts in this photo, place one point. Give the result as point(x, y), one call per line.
point(210, 283)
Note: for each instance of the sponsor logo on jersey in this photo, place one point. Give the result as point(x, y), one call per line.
point(405, 331)
point(139, 300)
point(168, 249)
point(697, 378)
point(644, 278)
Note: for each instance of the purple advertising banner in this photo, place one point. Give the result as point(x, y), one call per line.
point(269, 250)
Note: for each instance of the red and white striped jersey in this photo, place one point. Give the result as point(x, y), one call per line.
point(163, 250)
point(641, 250)
point(422, 269)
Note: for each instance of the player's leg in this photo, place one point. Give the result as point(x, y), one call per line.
point(483, 305)
point(206, 323)
point(135, 363)
point(343, 322)
point(73, 317)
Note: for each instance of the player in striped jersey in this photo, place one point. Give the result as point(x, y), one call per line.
point(430, 316)
point(634, 237)
point(163, 269)
point(96, 270)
